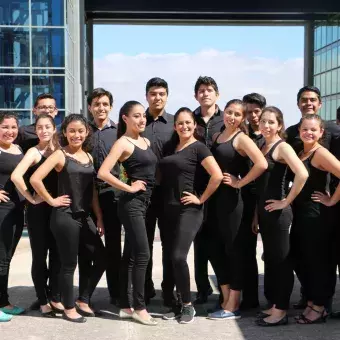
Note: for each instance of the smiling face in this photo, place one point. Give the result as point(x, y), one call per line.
point(269, 125)
point(310, 131)
point(8, 131)
point(206, 95)
point(135, 120)
point(76, 133)
point(44, 129)
point(185, 125)
point(233, 115)
point(100, 108)
point(157, 97)
point(309, 103)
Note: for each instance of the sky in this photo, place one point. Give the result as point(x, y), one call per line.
point(242, 59)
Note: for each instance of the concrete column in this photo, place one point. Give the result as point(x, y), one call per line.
point(308, 77)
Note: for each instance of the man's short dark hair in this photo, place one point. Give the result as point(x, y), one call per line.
point(338, 114)
point(208, 81)
point(255, 98)
point(309, 89)
point(98, 93)
point(156, 82)
point(43, 96)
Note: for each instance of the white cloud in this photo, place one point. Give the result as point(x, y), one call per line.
point(278, 80)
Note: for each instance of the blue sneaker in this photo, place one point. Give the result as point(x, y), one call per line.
point(5, 317)
point(223, 315)
point(13, 311)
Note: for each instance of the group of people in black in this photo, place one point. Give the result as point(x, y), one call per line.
point(209, 177)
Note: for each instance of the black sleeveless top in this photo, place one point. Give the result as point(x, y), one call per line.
point(317, 181)
point(271, 184)
point(227, 157)
point(8, 162)
point(50, 181)
point(141, 165)
point(76, 180)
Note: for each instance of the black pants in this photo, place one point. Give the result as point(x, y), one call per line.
point(11, 225)
point(181, 224)
point(278, 276)
point(43, 243)
point(248, 239)
point(225, 211)
point(312, 239)
point(108, 201)
point(131, 211)
point(77, 236)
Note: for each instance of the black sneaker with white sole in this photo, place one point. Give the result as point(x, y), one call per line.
point(188, 314)
point(174, 313)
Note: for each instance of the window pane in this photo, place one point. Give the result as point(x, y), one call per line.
point(335, 33)
point(24, 117)
point(323, 36)
point(323, 61)
point(329, 33)
point(334, 81)
point(323, 84)
point(317, 81)
point(53, 84)
point(14, 12)
point(329, 59)
point(317, 63)
point(48, 48)
point(14, 47)
point(333, 109)
point(47, 12)
point(15, 92)
point(334, 57)
point(48, 71)
point(328, 83)
point(338, 80)
point(327, 109)
point(14, 70)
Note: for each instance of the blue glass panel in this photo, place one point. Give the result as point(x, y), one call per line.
point(328, 59)
point(48, 49)
point(14, 47)
point(323, 36)
point(329, 33)
point(47, 12)
point(318, 38)
point(14, 70)
point(15, 92)
point(53, 84)
point(48, 71)
point(328, 83)
point(334, 81)
point(14, 12)
point(335, 57)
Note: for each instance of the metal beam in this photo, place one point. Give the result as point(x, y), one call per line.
point(308, 77)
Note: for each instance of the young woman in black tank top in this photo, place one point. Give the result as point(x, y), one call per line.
point(312, 229)
point(75, 233)
point(11, 209)
point(274, 215)
point(38, 216)
point(139, 161)
point(232, 149)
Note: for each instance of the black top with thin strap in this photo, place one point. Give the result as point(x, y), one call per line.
point(141, 165)
point(271, 184)
point(76, 180)
point(8, 162)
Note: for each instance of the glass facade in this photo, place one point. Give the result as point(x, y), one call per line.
point(38, 54)
point(327, 66)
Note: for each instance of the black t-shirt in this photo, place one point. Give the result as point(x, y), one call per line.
point(27, 137)
point(181, 171)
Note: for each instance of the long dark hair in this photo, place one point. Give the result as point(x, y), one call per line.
point(279, 117)
point(171, 145)
point(242, 126)
point(124, 111)
point(55, 138)
point(75, 117)
point(5, 115)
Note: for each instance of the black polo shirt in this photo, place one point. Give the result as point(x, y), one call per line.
point(27, 137)
point(102, 141)
point(206, 130)
point(159, 131)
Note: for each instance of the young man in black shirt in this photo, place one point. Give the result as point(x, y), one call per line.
point(159, 129)
point(255, 103)
point(209, 120)
point(104, 135)
point(44, 103)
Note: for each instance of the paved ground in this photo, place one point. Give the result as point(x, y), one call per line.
point(32, 327)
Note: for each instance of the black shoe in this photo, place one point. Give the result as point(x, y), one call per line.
point(188, 314)
point(85, 313)
point(35, 305)
point(262, 315)
point(49, 314)
point(56, 309)
point(301, 304)
point(263, 323)
point(77, 320)
point(202, 298)
point(174, 313)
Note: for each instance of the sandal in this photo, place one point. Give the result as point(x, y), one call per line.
point(320, 319)
point(300, 315)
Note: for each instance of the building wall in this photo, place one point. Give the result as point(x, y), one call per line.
point(327, 67)
point(39, 53)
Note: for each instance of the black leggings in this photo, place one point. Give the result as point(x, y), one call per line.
point(136, 254)
point(278, 274)
point(312, 241)
point(43, 242)
point(11, 225)
point(77, 235)
point(181, 224)
point(225, 211)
